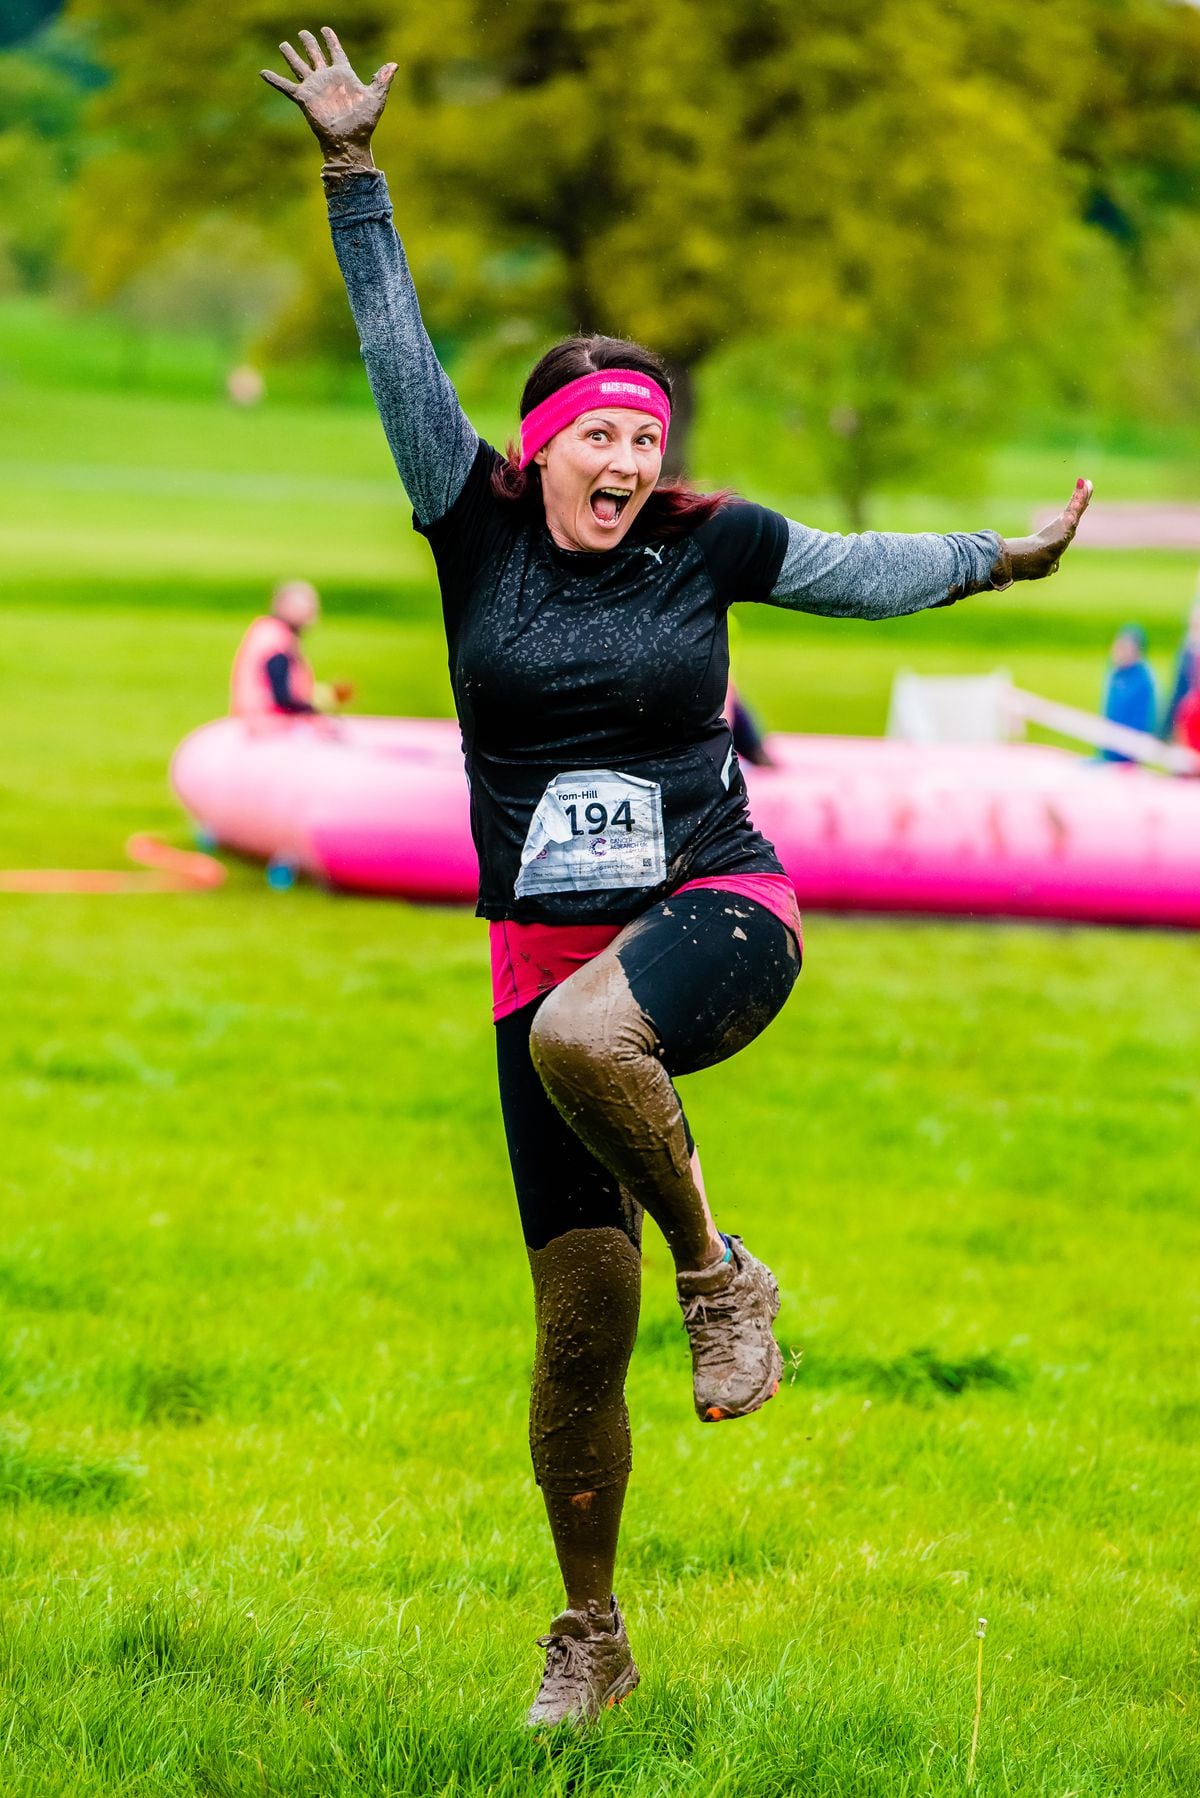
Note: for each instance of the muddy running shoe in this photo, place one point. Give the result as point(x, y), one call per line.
point(589, 1667)
point(728, 1311)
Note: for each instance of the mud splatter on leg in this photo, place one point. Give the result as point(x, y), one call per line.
point(587, 1288)
point(596, 1052)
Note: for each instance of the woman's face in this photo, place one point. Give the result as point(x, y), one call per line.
point(597, 475)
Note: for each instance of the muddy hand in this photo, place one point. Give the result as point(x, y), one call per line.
point(341, 111)
point(1033, 558)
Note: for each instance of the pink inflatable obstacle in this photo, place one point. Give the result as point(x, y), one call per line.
point(379, 805)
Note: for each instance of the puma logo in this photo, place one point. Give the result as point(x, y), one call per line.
point(656, 553)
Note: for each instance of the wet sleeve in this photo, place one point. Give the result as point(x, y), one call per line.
point(881, 574)
point(279, 674)
point(431, 439)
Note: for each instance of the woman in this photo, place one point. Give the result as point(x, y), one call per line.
point(641, 927)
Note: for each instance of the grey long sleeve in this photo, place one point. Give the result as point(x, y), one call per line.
point(431, 439)
point(881, 574)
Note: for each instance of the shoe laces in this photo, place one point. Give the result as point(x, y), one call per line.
point(705, 1319)
point(708, 1315)
point(707, 1307)
point(564, 1657)
point(727, 1305)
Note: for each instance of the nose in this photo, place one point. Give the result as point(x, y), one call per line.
point(623, 461)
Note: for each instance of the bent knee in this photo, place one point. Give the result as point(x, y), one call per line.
point(558, 1037)
point(585, 1025)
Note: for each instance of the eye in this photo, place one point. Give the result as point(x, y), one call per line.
point(649, 441)
point(598, 436)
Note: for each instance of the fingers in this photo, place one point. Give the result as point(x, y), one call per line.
point(294, 61)
point(1075, 508)
point(1077, 505)
point(383, 76)
point(285, 87)
point(314, 49)
point(1060, 537)
point(336, 53)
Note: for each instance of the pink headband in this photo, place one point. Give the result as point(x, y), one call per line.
point(608, 387)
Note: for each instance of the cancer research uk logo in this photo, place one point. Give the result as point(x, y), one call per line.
point(600, 846)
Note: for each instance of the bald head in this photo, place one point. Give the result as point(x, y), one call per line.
point(298, 603)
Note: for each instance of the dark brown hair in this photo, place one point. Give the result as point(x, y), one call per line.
point(674, 507)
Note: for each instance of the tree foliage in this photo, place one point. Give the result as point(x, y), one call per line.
point(44, 83)
point(21, 19)
point(901, 197)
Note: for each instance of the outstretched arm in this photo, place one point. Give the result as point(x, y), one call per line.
point(884, 574)
point(432, 441)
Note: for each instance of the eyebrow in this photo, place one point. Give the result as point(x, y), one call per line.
point(598, 418)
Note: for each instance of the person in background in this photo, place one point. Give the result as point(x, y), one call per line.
point(1186, 708)
point(748, 739)
point(271, 675)
point(1187, 672)
point(1187, 720)
point(1130, 697)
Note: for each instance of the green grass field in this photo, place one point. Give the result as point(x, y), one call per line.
point(267, 1519)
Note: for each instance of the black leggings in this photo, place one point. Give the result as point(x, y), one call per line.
point(696, 978)
point(595, 1133)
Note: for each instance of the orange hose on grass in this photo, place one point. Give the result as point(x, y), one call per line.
point(169, 871)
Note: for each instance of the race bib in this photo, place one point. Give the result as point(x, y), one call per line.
point(591, 830)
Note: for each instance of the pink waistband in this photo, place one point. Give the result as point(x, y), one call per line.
point(616, 387)
point(531, 959)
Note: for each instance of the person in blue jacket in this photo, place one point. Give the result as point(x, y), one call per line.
point(1130, 697)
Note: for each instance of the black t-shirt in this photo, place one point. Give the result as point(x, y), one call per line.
point(565, 662)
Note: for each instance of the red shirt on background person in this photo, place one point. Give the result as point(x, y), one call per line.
point(1187, 720)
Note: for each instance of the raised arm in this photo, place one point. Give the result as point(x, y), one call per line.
point(884, 574)
point(432, 441)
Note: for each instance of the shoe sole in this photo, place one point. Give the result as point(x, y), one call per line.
point(717, 1414)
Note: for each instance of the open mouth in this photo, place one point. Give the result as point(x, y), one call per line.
point(608, 503)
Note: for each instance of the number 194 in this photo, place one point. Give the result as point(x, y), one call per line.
point(596, 818)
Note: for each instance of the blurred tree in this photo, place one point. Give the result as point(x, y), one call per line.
point(20, 19)
point(896, 196)
point(224, 278)
point(43, 86)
